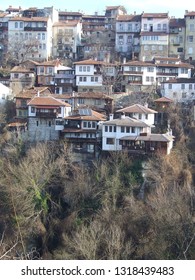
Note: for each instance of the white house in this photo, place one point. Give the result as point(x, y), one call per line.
point(180, 89)
point(139, 112)
point(134, 136)
point(114, 129)
point(5, 93)
point(30, 37)
point(88, 75)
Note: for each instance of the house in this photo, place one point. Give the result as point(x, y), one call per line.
point(171, 67)
point(21, 78)
point(97, 101)
point(154, 36)
point(189, 35)
point(30, 37)
point(82, 130)
point(177, 28)
point(114, 129)
point(46, 72)
point(22, 99)
point(162, 106)
point(64, 80)
point(5, 94)
point(128, 28)
point(134, 136)
point(89, 75)
point(46, 117)
point(66, 39)
point(180, 89)
point(139, 112)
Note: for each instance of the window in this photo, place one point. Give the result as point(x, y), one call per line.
point(84, 68)
point(16, 24)
point(129, 27)
point(191, 27)
point(41, 70)
point(184, 94)
point(110, 128)
point(122, 129)
point(190, 39)
point(80, 68)
point(145, 27)
point(37, 123)
point(80, 79)
point(158, 26)
point(88, 68)
point(96, 79)
point(84, 124)
point(190, 86)
point(21, 24)
point(16, 76)
point(49, 123)
point(179, 49)
point(133, 130)
point(92, 79)
point(170, 86)
point(43, 36)
point(150, 69)
point(182, 86)
point(84, 79)
point(110, 141)
point(127, 129)
point(164, 26)
point(106, 128)
point(3, 95)
point(140, 116)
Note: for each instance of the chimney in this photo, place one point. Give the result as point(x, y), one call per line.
point(123, 116)
point(111, 117)
point(38, 93)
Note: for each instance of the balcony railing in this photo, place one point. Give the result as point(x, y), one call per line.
point(46, 114)
point(30, 28)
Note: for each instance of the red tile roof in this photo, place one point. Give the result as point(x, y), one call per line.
point(47, 101)
point(89, 62)
point(155, 15)
point(163, 99)
point(137, 108)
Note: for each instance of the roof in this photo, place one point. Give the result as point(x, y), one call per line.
point(126, 121)
point(64, 23)
point(137, 108)
point(155, 15)
point(113, 7)
point(20, 69)
point(93, 95)
point(29, 93)
point(188, 14)
point(94, 116)
point(138, 63)
point(70, 13)
point(163, 99)
point(50, 63)
point(177, 22)
point(89, 62)
point(45, 19)
point(180, 81)
point(148, 33)
point(47, 101)
point(150, 137)
point(129, 18)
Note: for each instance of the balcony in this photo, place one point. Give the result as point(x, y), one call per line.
point(30, 28)
point(49, 115)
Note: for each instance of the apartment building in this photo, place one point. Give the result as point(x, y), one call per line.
point(190, 35)
point(154, 36)
point(128, 28)
point(30, 38)
point(66, 39)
